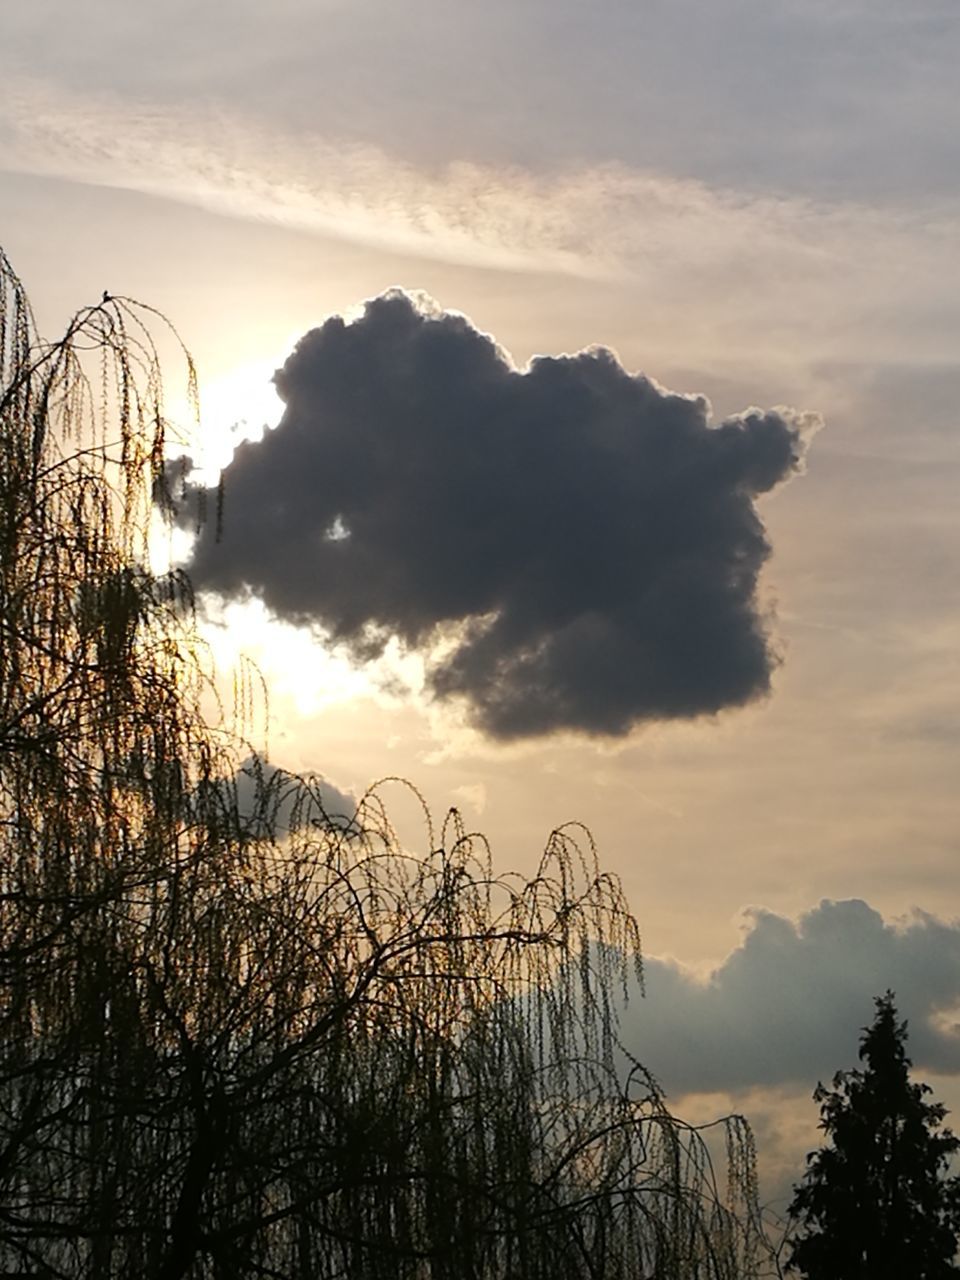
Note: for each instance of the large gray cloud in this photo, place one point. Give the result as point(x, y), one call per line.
point(586, 542)
point(786, 1007)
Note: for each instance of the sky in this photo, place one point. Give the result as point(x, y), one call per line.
point(617, 482)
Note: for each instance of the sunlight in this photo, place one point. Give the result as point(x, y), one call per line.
point(237, 405)
point(301, 668)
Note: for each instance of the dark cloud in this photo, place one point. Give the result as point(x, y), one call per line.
point(786, 1007)
point(585, 541)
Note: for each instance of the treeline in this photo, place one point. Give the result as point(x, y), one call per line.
point(252, 1039)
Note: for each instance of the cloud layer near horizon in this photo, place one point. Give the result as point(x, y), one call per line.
point(582, 544)
point(787, 1005)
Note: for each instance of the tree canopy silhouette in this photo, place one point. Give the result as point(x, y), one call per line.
point(878, 1202)
point(244, 1039)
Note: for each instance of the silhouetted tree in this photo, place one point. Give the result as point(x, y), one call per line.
point(244, 1039)
point(878, 1203)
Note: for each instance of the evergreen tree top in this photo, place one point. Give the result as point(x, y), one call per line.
point(878, 1201)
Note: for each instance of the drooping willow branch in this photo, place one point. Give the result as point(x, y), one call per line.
point(240, 1035)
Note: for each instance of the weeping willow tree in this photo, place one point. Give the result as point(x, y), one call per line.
point(240, 1037)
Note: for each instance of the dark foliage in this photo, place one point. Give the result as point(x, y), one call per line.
point(878, 1203)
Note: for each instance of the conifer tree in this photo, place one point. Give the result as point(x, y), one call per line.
point(879, 1202)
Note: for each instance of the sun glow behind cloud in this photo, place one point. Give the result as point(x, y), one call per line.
point(236, 405)
point(239, 404)
point(297, 668)
point(302, 669)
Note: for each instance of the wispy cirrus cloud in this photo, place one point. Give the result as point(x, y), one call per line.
point(716, 251)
